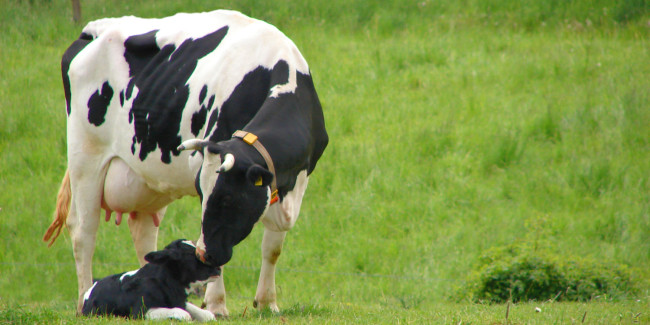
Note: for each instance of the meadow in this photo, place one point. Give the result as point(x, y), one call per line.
point(455, 127)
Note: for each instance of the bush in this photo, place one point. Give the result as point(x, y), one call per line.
point(519, 273)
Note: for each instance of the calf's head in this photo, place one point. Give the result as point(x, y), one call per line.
point(234, 191)
point(180, 260)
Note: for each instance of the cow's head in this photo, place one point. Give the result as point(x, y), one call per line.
point(235, 192)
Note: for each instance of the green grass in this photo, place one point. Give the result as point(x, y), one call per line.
point(455, 127)
point(342, 312)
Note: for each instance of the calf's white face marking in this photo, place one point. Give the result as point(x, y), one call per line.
point(188, 242)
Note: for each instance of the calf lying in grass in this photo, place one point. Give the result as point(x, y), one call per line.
point(158, 290)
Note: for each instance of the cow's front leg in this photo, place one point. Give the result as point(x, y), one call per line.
point(215, 297)
point(271, 249)
point(144, 232)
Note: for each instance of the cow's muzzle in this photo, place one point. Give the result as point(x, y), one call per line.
point(200, 254)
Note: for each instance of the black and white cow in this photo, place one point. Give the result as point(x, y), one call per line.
point(158, 290)
point(212, 104)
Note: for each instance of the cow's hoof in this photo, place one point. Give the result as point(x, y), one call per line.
point(273, 307)
point(219, 311)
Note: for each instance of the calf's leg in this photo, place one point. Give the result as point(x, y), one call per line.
point(198, 314)
point(167, 313)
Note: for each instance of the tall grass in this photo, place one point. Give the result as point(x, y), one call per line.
point(453, 125)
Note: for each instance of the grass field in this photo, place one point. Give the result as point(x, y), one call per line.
point(454, 128)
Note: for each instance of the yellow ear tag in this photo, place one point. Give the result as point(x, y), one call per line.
point(258, 182)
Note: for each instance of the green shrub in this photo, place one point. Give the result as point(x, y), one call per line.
point(519, 273)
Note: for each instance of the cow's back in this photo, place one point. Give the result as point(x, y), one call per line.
point(136, 88)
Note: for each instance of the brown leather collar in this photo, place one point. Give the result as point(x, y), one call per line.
point(251, 139)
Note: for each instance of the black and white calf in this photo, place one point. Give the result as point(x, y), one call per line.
point(158, 290)
point(216, 105)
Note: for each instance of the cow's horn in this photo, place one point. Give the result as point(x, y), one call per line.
point(228, 162)
point(192, 144)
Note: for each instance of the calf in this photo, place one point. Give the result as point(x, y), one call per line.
point(158, 290)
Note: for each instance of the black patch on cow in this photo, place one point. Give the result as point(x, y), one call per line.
point(122, 98)
point(68, 56)
point(139, 51)
point(210, 103)
point(129, 92)
point(246, 100)
point(280, 73)
point(161, 77)
point(198, 120)
point(199, 117)
point(98, 104)
point(204, 92)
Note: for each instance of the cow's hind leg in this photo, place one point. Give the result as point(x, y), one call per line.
point(83, 221)
point(215, 297)
point(265, 297)
point(144, 232)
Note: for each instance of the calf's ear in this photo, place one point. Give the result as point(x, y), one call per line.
point(259, 175)
point(176, 244)
point(158, 257)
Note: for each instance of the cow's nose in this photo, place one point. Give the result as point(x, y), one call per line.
point(200, 254)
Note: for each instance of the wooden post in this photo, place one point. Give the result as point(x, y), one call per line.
point(76, 11)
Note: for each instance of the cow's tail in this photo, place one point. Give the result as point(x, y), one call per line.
point(61, 212)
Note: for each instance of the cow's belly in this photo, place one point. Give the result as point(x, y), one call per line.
point(126, 191)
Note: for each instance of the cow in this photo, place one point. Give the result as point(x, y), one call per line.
point(158, 290)
point(216, 105)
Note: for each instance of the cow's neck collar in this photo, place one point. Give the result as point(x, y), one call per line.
point(251, 139)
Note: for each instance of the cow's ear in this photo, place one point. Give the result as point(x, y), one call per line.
point(259, 176)
point(214, 148)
